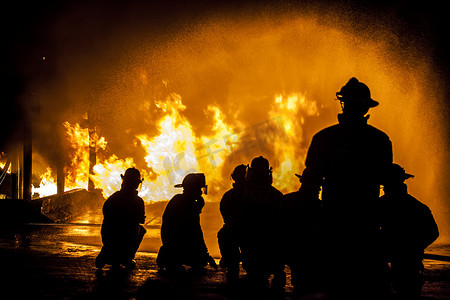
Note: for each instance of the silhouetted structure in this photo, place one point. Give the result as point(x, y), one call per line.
point(123, 212)
point(228, 235)
point(348, 161)
point(181, 232)
point(299, 218)
point(408, 227)
point(257, 224)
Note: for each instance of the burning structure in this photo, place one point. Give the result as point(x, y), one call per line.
point(177, 89)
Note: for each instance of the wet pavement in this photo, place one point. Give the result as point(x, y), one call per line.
point(57, 262)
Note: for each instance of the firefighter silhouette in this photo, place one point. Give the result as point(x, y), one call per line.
point(298, 222)
point(181, 233)
point(408, 227)
point(121, 231)
point(258, 226)
point(228, 235)
point(348, 161)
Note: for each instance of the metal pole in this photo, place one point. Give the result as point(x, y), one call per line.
point(27, 160)
point(14, 173)
point(60, 176)
point(92, 150)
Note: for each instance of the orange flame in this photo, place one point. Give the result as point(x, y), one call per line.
point(47, 186)
point(287, 110)
point(177, 150)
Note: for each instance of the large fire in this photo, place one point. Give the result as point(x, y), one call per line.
point(216, 93)
point(177, 150)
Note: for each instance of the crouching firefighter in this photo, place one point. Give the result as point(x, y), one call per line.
point(181, 233)
point(123, 212)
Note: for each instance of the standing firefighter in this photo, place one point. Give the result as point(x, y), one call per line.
point(123, 212)
point(299, 217)
point(257, 224)
point(228, 234)
point(348, 161)
point(181, 232)
point(408, 227)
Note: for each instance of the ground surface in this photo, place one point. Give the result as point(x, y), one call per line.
point(57, 262)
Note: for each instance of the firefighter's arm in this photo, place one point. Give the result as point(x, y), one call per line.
point(141, 212)
point(431, 229)
point(313, 174)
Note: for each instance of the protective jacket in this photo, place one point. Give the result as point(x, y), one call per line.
point(181, 233)
point(121, 233)
point(349, 161)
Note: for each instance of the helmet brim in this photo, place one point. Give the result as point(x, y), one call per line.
point(371, 103)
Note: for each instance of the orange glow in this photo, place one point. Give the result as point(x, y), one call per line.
point(47, 186)
point(177, 150)
point(204, 100)
point(3, 164)
point(290, 155)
